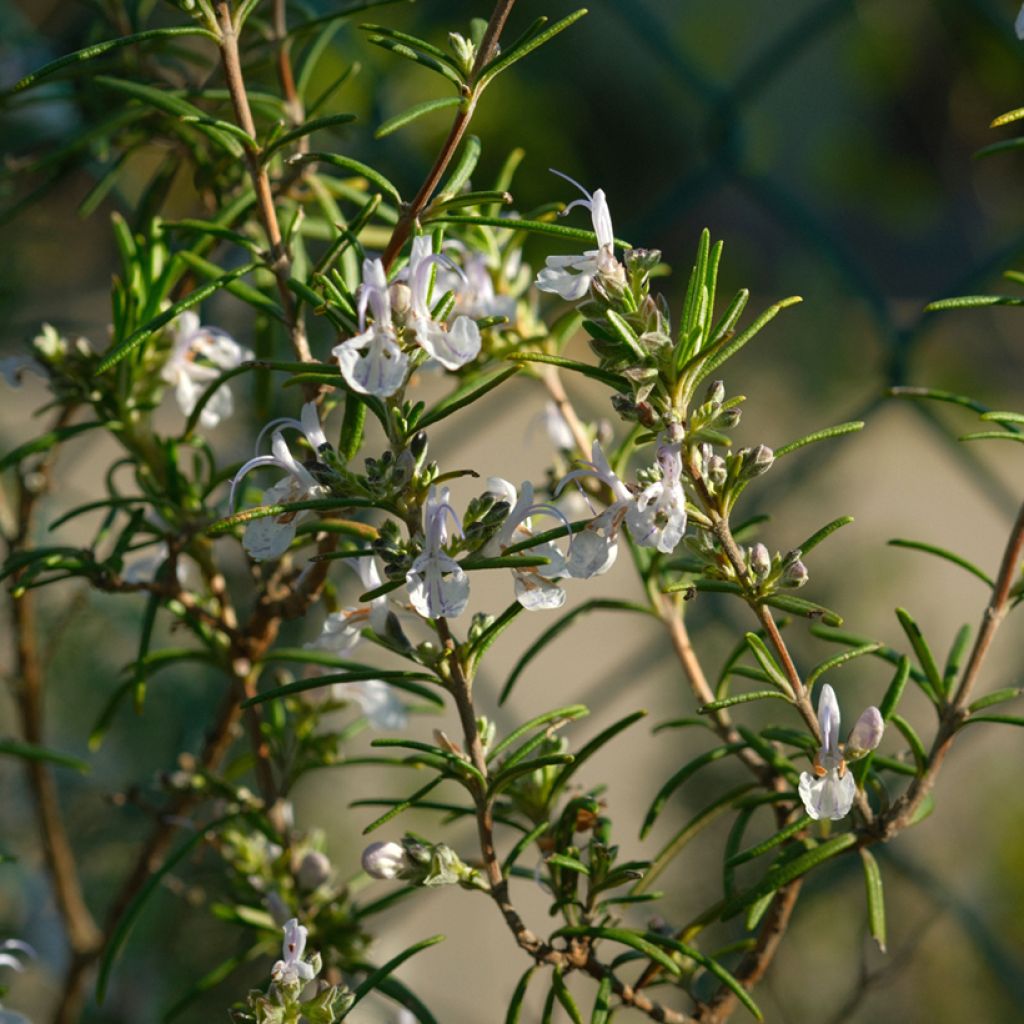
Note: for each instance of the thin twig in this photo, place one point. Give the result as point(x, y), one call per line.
point(954, 714)
point(280, 261)
point(470, 96)
point(83, 934)
point(576, 957)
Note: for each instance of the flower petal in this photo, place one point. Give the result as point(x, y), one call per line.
point(451, 348)
point(829, 796)
point(828, 719)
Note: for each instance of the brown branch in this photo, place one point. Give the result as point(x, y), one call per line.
point(576, 957)
point(292, 100)
point(553, 383)
point(280, 261)
point(83, 934)
point(955, 713)
point(755, 964)
point(471, 92)
point(674, 623)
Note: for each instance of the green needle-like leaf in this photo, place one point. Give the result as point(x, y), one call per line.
point(820, 435)
point(875, 897)
point(392, 124)
point(370, 983)
point(101, 49)
point(33, 752)
point(949, 556)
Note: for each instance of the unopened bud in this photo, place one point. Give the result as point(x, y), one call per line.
point(418, 445)
point(464, 50)
point(796, 575)
point(760, 561)
point(401, 300)
point(716, 393)
point(757, 461)
point(717, 471)
point(314, 869)
point(865, 735)
point(728, 419)
point(384, 860)
point(641, 261)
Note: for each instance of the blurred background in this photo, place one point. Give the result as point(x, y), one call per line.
point(832, 145)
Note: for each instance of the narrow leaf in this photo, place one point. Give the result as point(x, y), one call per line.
point(597, 604)
point(820, 435)
point(840, 659)
point(591, 748)
point(875, 897)
point(626, 938)
point(100, 49)
point(506, 60)
point(353, 166)
point(370, 983)
point(466, 395)
point(932, 684)
point(33, 752)
point(515, 1006)
point(392, 124)
point(808, 609)
point(826, 531)
point(949, 556)
point(138, 336)
point(605, 376)
point(317, 124)
point(791, 870)
point(684, 773)
point(739, 698)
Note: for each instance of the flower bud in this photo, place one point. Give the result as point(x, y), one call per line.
point(796, 575)
point(716, 393)
point(418, 445)
point(384, 860)
point(865, 735)
point(314, 869)
point(760, 561)
point(641, 261)
point(717, 471)
point(728, 419)
point(401, 301)
point(757, 461)
point(464, 50)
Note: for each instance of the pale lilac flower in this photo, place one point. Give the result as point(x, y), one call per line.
point(533, 587)
point(865, 735)
point(571, 276)
point(381, 708)
point(343, 630)
point(269, 537)
point(829, 791)
point(198, 356)
point(373, 363)
point(385, 860)
point(145, 568)
point(14, 368)
point(557, 429)
point(7, 948)
point(656, 515)
point(452, 347)
point(473, 287)
point(595, 548)
point(292, 969)
point(658, 518)
point(432, 594)
point(1018, 25)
